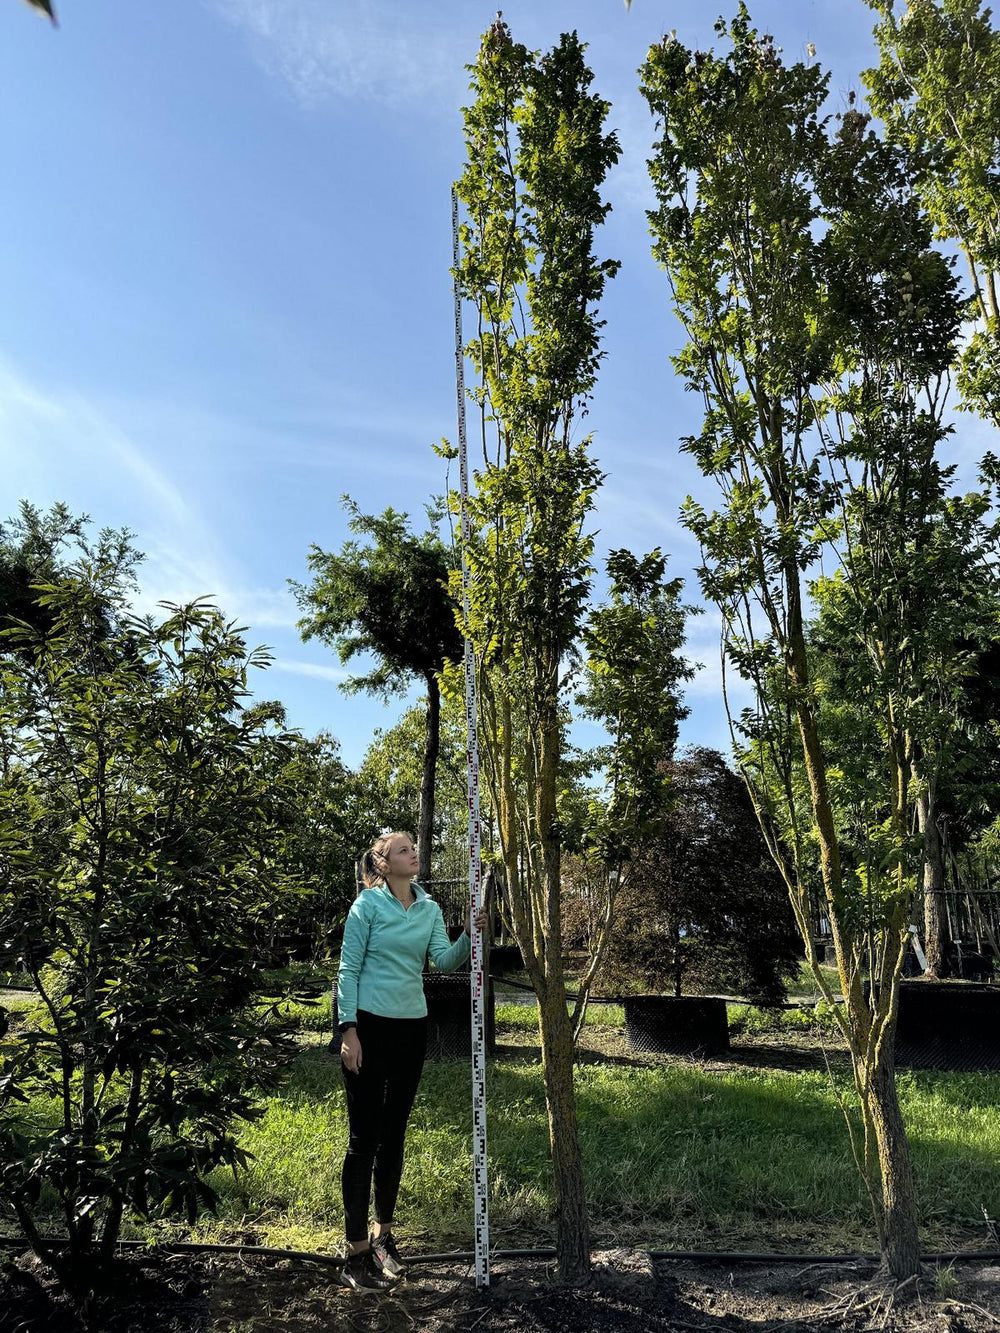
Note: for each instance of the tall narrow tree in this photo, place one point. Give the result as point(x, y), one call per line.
point(631, 676)
point(537, 155)
point(820, 329)
point(937, 87)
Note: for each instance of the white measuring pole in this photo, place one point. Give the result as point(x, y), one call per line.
point(479, 1180)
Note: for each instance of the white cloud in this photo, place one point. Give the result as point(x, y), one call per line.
point(170, 574)
point(58, 445)
point(71, 431)
point(702, 646)
point(323, 50)
point(313, 669)
point(707, 684)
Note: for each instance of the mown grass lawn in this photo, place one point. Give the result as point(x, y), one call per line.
point(676, 1154)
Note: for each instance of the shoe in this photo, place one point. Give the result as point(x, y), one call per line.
point(362, 1273)
point(386, 1255)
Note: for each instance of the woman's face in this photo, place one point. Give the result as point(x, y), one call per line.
point(402, 857)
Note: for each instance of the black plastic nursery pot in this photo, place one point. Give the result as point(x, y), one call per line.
point(449, 1015)
point(676, 1025)
point(948, 1025)
point(505, 958)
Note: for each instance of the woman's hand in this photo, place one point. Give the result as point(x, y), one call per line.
point(350, 1050)
point(481, 921)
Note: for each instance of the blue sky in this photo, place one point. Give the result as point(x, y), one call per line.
point(224, 253)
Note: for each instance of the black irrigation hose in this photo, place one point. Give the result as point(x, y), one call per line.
point(463, 1256)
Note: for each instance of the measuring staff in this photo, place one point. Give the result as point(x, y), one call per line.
point(479, 1180)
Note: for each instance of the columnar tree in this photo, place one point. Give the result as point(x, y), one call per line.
point(943, 593)
point(141, 827)
point(820, 328)
point(388, 597)
point(537, 155)
point(937, 87)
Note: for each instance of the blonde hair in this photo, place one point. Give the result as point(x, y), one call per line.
point(375, 861)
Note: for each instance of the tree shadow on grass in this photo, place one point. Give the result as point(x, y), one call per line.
point(162, 1293)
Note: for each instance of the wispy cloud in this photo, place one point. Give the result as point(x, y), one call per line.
point(175, 574)
point(363, 52)
point(72, 426)
point(314, 669)
point(702, 646)
point(59, 445)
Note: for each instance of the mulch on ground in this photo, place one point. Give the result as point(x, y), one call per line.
point(628, 1293)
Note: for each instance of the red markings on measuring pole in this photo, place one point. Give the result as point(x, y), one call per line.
point(480, 1187)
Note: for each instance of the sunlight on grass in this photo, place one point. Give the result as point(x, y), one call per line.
point(676, 1155)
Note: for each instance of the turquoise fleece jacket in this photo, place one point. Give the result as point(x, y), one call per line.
point(382, 956)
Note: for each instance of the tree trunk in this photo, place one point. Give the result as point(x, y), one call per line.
point(933, 885)
point(432, 743)
point(874, 1069)
point(901, 1241)
point(572, 1221)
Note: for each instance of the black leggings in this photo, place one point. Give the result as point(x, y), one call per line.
point(379, 1098)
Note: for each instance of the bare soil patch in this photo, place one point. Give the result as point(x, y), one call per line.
point(628, 1293)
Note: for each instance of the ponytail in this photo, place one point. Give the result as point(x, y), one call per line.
point(375, 861)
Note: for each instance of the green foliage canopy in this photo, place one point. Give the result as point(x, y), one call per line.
point(387, 596)
point(143, 810)
point(937, 87)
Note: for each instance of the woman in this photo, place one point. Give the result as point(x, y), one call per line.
point(382, 1014)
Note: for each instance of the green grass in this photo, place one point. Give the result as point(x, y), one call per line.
point(747, 1018)
point(309, 1015)
point(674, 1155)
point(804, 985)
point(524, 1017)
